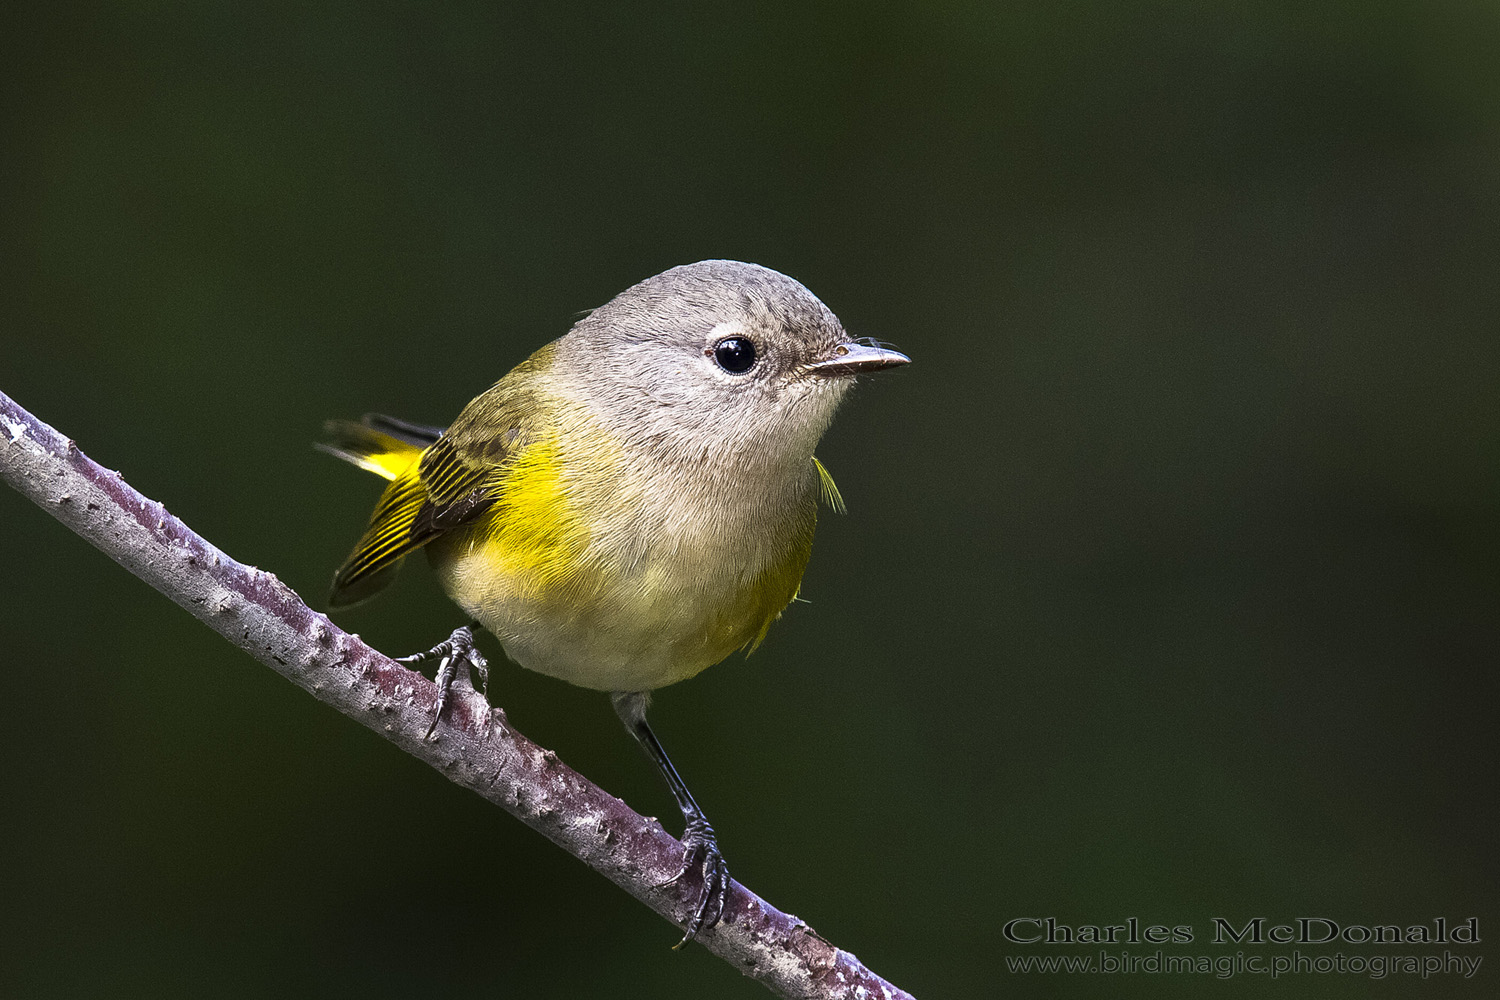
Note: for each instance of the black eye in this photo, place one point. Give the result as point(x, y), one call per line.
point(735, 355)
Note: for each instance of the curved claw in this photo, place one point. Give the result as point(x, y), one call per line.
point(457, 649)
point(701, 848)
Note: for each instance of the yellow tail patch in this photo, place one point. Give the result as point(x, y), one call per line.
point(369, 449)
point(388, 537)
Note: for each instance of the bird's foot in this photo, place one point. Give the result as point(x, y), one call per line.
point(456, 651)
point(701, 848)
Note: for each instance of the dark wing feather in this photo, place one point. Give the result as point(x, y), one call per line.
point(442, 492)
point(458, 489)
point(384, 544)
point(456, 479)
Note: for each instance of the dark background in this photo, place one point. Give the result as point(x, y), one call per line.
point(1169, 583)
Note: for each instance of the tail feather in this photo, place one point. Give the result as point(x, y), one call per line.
point(372, 450)
point(420, 435)
point(391, 449)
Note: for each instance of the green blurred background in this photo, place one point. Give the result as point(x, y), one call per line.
point(1169, 584)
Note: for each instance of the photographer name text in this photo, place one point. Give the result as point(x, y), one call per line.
point(1252, 930)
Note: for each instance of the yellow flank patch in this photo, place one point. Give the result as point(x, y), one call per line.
point(534, 533)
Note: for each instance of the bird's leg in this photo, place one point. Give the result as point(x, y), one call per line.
point(458, 650)
point(699, 846)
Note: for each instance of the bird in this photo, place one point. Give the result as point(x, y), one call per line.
point(629, 505)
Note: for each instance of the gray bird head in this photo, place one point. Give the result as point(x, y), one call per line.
point(716, 360)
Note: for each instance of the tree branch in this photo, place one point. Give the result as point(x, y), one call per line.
point(475, 748)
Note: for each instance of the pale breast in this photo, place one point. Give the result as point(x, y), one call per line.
point(662, 586)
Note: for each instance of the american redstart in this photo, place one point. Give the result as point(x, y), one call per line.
point(632, 503)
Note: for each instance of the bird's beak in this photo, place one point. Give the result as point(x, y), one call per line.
point(856, 359)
